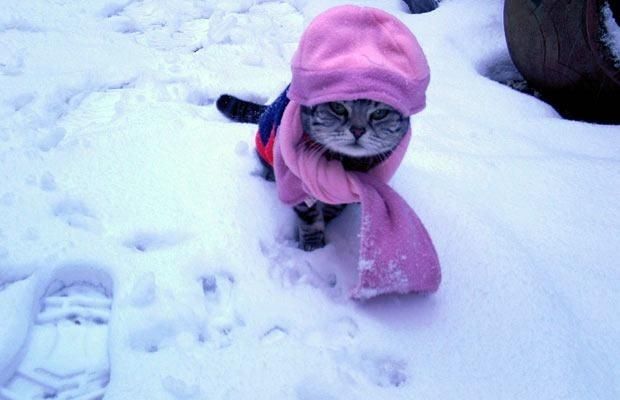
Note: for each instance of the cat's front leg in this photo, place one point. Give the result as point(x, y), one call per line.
point(268, 172)
point(331, 211)
point(311, 226)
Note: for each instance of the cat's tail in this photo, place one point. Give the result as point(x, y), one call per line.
point(239, 110)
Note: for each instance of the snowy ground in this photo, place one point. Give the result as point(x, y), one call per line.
point(116, 172)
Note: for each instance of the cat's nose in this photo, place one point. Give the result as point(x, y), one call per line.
point(357, 131)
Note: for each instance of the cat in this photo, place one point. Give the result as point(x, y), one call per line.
point(358, 133)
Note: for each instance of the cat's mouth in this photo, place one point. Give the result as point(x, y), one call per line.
point(349, 148)
point(355, 150)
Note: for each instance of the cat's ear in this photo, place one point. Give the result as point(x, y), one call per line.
point(305, 110)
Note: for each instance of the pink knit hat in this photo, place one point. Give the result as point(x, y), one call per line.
point(352, 52)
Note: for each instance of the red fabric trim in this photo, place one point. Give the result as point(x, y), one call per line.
point(266, 151)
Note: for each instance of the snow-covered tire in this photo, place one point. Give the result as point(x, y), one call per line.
point(597, 31)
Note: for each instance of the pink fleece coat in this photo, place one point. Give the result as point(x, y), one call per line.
point(349, 53)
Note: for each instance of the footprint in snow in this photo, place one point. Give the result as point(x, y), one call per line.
point(153, 337)
point(113, 9)
point(11, 66)
point(340, 337)
point(274, 335)
point(47, 182)
point(8, 199)
point(291, 266)
point(75, 214)
point(49, 139)
point(220, 297)
point(381, 370)
point(336, 335)
point(145, 242)
point(66, 356)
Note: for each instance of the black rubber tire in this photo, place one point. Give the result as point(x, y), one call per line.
point(422, 6)
point(555, 45)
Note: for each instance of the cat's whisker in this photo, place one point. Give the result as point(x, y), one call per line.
point(317, 148)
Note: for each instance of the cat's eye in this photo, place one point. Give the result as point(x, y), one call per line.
point(338, 108)
point(379, 114)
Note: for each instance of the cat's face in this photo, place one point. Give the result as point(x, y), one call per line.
point(356, 128)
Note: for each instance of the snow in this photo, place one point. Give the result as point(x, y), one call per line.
point(116, 168)
point(611, 38)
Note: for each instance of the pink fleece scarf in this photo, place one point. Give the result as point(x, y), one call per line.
point(396, 252)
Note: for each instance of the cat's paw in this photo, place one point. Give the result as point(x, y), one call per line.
point(312, 241)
